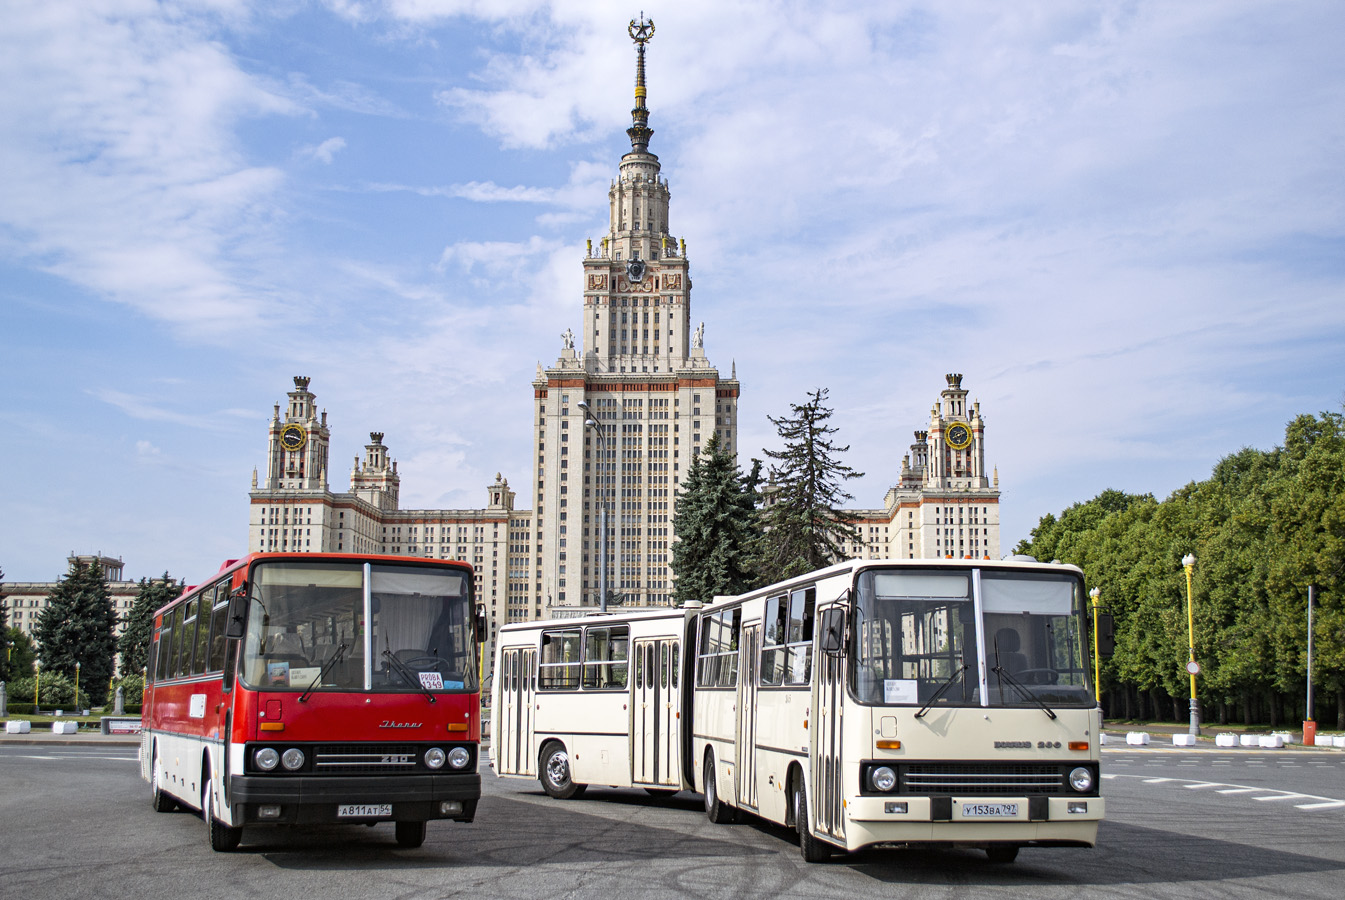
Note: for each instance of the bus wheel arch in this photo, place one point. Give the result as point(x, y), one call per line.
point(223, 838)
point(555, 773)
point(793, 783)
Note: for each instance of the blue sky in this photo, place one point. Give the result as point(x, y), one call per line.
point(1122, 222)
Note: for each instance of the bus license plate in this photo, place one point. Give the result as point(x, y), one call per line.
point(363, 810)
point(989, 810)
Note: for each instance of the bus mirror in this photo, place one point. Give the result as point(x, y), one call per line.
point(833, 630)
point(1106, 634)
point(481, 622)
point(237, 613)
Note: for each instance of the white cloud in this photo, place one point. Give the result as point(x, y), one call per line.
point(326, 151)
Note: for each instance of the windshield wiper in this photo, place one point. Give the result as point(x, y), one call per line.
point(1000, 670)
point(939, 693)
point(326, 667)
point(406, 672)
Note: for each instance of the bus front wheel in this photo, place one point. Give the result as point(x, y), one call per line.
point(555, 773)
point(223, 838)
point(813, 850)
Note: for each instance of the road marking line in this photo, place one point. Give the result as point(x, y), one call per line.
point(1156, 780)
point(1332, 804)
point(1196, 787)
point(1241, 790)
point(1280, 797)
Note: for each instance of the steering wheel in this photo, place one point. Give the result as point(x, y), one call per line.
point(425, 663)
point(1037, 676)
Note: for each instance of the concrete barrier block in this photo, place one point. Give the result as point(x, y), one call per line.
point(64, 727)
point(1183, 740)
point(19, 726)
point(1102, 739)
point(1338, 740)
point(1226, 740)
point(1249, 740)
point(1288, 737)
point(1271, 742)
point(1137, 738)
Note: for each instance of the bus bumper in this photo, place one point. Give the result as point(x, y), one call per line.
point(926, 821)
point(302, 800)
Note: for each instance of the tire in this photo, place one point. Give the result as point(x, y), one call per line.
point(813, 850)
point(410, 834)
point(553, 770)
point(159, 800)
point(661, 793)
point(716, 810)
point(223, 838)
point(1001, 855)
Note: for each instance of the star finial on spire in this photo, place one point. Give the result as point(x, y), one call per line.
point(641, 33)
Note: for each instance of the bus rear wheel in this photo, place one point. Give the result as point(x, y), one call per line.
point(716, 810)
point(555, 776)
point(410, 834)
point(160, 799)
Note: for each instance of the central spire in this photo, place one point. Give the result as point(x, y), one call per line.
point(641, 32)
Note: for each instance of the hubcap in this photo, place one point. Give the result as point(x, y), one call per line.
point(558, 768)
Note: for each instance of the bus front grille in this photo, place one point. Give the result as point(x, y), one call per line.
point(365, 759)
point(981, 778)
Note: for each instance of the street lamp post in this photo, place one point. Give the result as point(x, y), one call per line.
point(590, 422)
point(1097, 657)
point(1192, 667)
point(76, 688)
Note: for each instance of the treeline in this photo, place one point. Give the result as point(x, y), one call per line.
point(1263, 527)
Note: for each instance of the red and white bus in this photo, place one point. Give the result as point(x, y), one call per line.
point(312, 688)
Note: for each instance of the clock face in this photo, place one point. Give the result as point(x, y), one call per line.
point(293, 437)
point(635, 270)
point(959, 436)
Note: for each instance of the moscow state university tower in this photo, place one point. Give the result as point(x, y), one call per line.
point(637, 374)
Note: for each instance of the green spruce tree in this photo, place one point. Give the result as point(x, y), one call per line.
point(4, 632)
point(804, 526)
point(134, 642)
point(78, 626)
point(716, 527)
point(22, 654)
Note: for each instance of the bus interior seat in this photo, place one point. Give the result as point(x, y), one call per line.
point(1007, 642)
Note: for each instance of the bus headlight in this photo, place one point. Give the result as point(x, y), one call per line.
point(458, 757)
point(266, 758)
point(883, 778)
point(292, 759)
point(434, 757)
point(1081, 779)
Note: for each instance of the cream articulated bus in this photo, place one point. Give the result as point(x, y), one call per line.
point(900, 703)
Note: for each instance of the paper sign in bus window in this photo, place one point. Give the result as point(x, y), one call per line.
point(432, 681)
point(899, 690)
point(278, 674)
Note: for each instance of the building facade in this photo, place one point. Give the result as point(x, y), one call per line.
point(617, 420)
point(28, 599)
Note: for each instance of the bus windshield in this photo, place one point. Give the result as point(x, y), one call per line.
point(306, 628)
point(915, 639)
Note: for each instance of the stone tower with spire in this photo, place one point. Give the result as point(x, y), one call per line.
point(640, 374)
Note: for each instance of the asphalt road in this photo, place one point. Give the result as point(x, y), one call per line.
point(76, 821)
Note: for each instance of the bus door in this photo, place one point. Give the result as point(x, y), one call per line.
point(514, 743)
point(655, 714)
point(828, 787)
point(749, 660)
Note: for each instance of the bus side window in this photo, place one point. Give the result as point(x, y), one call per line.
point(773, 651)
point(802, 606)
point(165, 645)
point(175, 652)
point(198, 665)
point(219, 621)
point(558, 667)
point(152, 658)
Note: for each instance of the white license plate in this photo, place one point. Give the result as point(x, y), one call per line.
point(989, 810)
point(363, 810)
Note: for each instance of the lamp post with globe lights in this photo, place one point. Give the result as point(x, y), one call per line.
point(592, 423)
